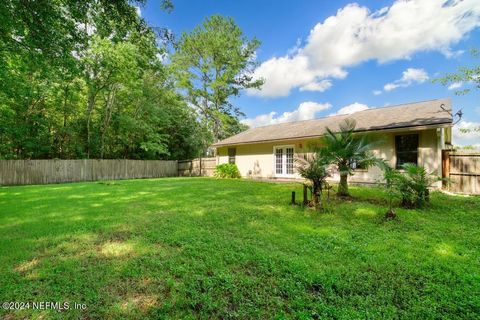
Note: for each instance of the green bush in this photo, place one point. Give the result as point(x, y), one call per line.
point(227, 170)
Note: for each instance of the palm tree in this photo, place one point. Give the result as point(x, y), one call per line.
point(345, 150)
point(314, 167)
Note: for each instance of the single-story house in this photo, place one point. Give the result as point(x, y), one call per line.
point(414, 132)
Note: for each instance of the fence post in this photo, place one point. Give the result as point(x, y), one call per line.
point(445, 167)
point(305, 195)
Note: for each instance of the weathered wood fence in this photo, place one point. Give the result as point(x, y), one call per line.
point(197, 167)
point(462, 168)
point(20, 172)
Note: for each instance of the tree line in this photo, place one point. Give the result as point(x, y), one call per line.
point(90, 79)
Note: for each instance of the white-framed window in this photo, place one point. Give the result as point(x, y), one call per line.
point(283, 157)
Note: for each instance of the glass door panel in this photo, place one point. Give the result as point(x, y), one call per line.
point(279, 161)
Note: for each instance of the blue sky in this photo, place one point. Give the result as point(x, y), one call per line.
point(321, 56)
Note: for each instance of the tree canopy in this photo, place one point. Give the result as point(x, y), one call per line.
point(90, 79)
point(467, 77)
point(213, 63)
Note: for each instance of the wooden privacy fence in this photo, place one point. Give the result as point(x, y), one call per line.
point(19, 172)
point(462, 168)
point(197, 167)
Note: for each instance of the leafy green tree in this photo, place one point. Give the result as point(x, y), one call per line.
point(155, 124)
point(40, 42)
point(83, 79)
point(345, 149)
point(214, 63)
point(107, 67)
point(230, 126)
point(468, 76)
point(135, 100)
point(51, 30)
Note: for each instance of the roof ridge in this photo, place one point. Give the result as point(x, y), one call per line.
point(349, 114)
point(403, 104)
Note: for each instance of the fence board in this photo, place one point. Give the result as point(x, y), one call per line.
point(22, 172)
point(197, 167)
point(464, 171)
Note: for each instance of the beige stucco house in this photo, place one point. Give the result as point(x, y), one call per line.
point(413, 132)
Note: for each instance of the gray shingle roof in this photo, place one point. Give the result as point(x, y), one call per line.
point(424, 113)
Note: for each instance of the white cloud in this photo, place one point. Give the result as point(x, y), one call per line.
point(305, 111)
point(453, 54)
point(355, 35)
point(409, 77)
point(377, 92)
point(455, 85)
point(295, 48)
point(351, 108)
point(390, 86)
point(261, 120)
point(412, 75)
point(471, 137)
point(281, 74)
point(317, 86)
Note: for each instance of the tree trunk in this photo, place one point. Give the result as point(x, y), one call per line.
point(91, 103)
point(305, 195)
point(106, 120)
point(63, 140)
point(316, 198)
point(343, 185)
point(216, 129)
point(390, 214)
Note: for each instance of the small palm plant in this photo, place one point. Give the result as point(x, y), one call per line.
point(411, 185)
point(414, 184)
point(315, 168)
point(344, 149)
point(391, 177)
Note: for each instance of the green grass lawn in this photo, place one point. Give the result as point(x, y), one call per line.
point(206, 248)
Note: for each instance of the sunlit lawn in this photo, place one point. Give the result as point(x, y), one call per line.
point(206, 248)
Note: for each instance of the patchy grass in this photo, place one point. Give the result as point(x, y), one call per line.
point(205, 248)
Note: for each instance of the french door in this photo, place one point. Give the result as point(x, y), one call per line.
point(284, 161)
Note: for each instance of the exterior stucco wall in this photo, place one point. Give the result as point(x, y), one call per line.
point(257, 160)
